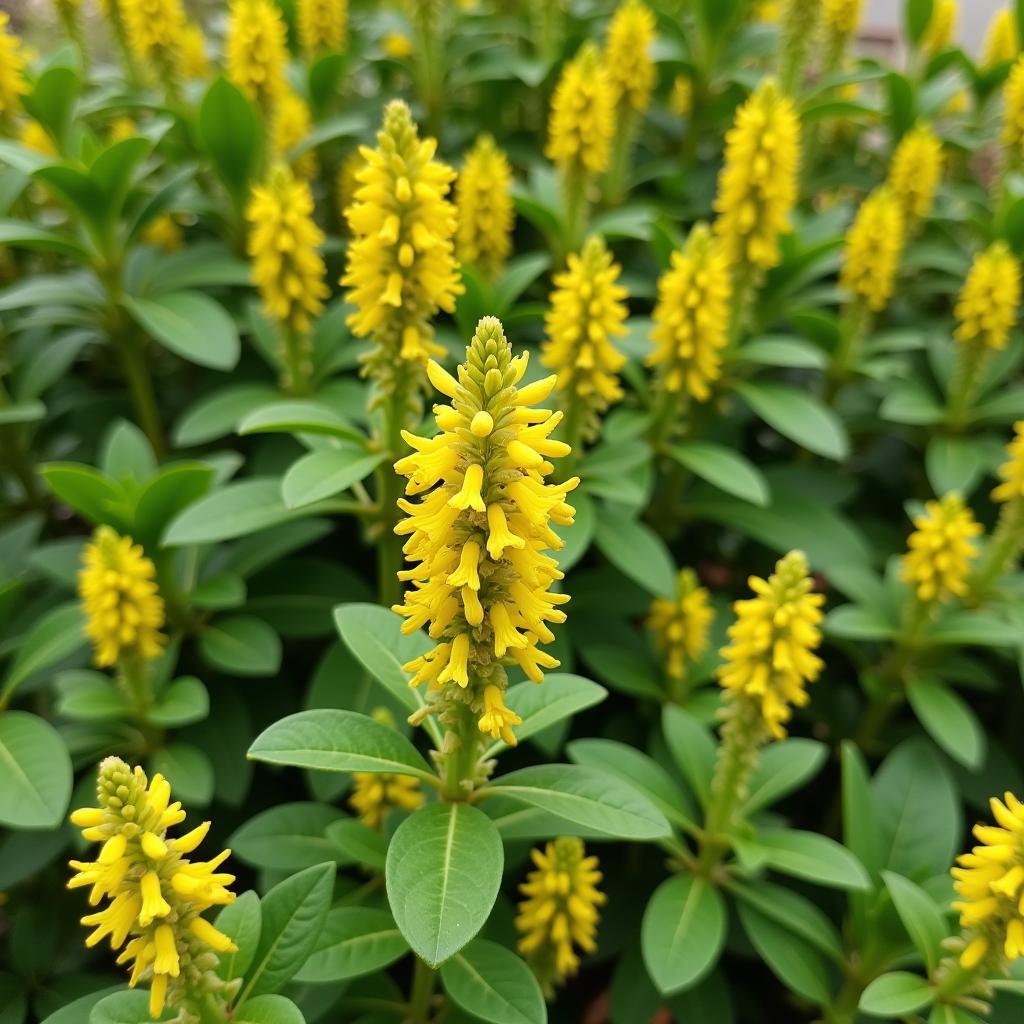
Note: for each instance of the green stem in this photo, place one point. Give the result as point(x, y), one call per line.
point(423, 979)
point(964, 386)
point(853, 327)
point(134, 678)
point(575, 184)
point(389, 490)
point(297, 361)
point(140, 385)
point(1001, 552)
point(459, 763)
point(622, 148)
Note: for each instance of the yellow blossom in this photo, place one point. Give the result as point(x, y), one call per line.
point(914, 173)
point(1011, 472)
point(195, 65)
point(681, 100)
point(284, 245)
point(35, 137)
point(123, 608)
point(121, 128)
point(1002, 42)
point(990, 883)
point(256, 50)
point(691, 317)
point(481, 580)
point(164, 232)
point(155, 31)
point(841, 17)
point(770, 657)
point(940, 550)
point(290, 124)
point(323, 24)
point(12, 66)
point(346, 183)
point(874, 244)
point(1013, 111)
point(681, 624)
point(941, 26)
point(987, 305)
point(560, 910)
point(588, 310)
point(758, 183)
point(401, 266)
point(582, 120)
point(397, 46)
point(484, 203)
point(375, 794)
point(627, 55)
point(156, 895)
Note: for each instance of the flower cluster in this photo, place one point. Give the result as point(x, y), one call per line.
point(323, 24)
point(627, 55)
point(123, 608)
point(401, 264)
point(1002, 42)
point(987, 306)
point(1011, 472)
point(12, 65)
point(156, 895)
point(941, 25)
point(582, 116)
point(587, 311)
point(376, 794)
point(257, 51)
point(990, 883)
point(155, 31)
point(841, 17)
point(560, 910)
point(681, 624)
point(478, 535)
point(1013, 111)
point(941, 548)
point(691, 317)
point(290, 125)
point(484, 202)
point(758, 183)
point(915, 172)
point(770, 657)
point(874, 244)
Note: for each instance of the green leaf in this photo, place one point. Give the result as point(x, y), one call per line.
point(242, 922)
point(956, 463)
point(170, 492)
point(20, 234)
point(724, 468)
point(353, 941)
point(785, 351)
point(324, 473)
point(36, 772)
point(636, 551)
point(561, 696)
point(220, 412)
point(79, 1010)
point(299, 416)
point(784, 767)
point(184, 702)
point(230, 131)
point(792, 959)
point(682, 933)
point(53, 98)
point(269, 1009)
point(924, 921)
point(359, 843)
point(327, 739)
point(798, 416)
point(235, 510)
point(191, 325)
point(293, 914)
point(288, 837)
point(856, 622)
point(896, 995)
point(916, 16)
point(793, 912)
point(492, 983)
point(813, 857)
point(90, 697)
point(88, 491)
point(187, 769)
point(242, 645)
point(127, 453)
point(595, 800)
point(948, 720)
point(54, 637)
point(443, 871)
point(861, 832)
point(692, 747)
point(122, 1008)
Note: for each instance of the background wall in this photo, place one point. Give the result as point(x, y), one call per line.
point(974, 18)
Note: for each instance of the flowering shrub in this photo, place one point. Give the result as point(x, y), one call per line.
point(540, 485)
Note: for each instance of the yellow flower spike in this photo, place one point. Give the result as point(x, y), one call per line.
point(164, 232)
point(941, 27)
point(582, 120)
point(195, 64)
point(256, 51)
point(914, 173)
point(401, 266)
point(497, 719)
point(485, 211)
point(841, 17)
point(588, 310)
point(1002, 42)
point(155, 32)
point(559, 912)
point(1011, 472)
point(757, 187)
point(12, 67)
point(681, 625)
point(691, 317)
point(397, 45)
point(478, 533)
point(290, 124)
point(375, 794)
point(123, 608)
point(323, 25)
point(1013, 112)
point(770, 656)
point(161, 930)
point(940, 550)
point(987, 306)
point(874, 244)
point(627, 55)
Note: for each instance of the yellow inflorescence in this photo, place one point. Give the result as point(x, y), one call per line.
point(123, 608)
point(323, 24)
point(397, 45)
point(940, 550)
point(582, 118)
point(155, 30)
point(401, 264)
point(874, 244)
point(375, 794)
point(256, 50)
point(990, 883)
point(771, 654)
point(915, 171)
point(284, 245)
point(941, 26)
point(841, 17)
point(1011, 472)
point(559, 912)
point(195, 64)
point(758, 184)
point(12, 66)
point(484, 202)
point(681, 100)
point(1002, 42)
point(691, 318)
point(164, 232)
point(681, 624)
point(290, 125)
point(987, 306)
point(588, 310)
point(35, 137)
point(1013, 111)
point(627, 55)
point(157, 896)
point(479, 533)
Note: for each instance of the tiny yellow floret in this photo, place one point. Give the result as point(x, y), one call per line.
point(941, 548)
